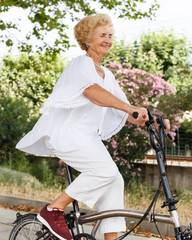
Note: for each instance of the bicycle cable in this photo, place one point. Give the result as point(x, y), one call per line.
point(153, 214)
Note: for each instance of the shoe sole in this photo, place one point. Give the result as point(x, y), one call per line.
point(42, 220)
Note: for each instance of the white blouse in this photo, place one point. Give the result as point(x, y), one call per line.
point(69, 120)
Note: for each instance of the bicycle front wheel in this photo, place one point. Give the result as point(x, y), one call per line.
point(29, 228)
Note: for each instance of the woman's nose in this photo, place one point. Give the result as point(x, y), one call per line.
point(108, 39)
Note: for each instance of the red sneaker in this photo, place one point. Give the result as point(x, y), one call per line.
point(55, 221)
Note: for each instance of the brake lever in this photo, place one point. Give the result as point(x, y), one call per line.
point(151, 119)
point(162, 133)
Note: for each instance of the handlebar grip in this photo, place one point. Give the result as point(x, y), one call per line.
point(135, 115)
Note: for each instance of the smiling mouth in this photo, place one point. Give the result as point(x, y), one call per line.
point(106, 46)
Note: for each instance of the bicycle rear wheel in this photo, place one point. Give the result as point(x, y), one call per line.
point(29, 228)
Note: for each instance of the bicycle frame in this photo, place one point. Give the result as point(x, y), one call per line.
point(170, 202)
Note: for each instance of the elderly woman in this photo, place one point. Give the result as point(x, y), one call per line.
point(86, 106)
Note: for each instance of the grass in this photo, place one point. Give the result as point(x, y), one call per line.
point(138, 196)
point(9, 176)
point(21, 184)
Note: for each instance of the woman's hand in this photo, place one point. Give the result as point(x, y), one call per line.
point(142, 116)
point(167, 124)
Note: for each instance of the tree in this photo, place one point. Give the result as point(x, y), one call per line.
point(16, 118)
point(173, 53)
point(48, 16)
point(30, 77)
point(26, 81)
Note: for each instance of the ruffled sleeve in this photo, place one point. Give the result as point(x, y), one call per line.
point(113, 119)
point(79, 74)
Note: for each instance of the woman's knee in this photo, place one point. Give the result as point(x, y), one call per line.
point(111, 172)
point(120, 180)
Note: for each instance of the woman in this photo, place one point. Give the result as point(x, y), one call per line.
point(86, 106)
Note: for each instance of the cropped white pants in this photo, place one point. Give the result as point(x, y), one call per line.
point(99, 183)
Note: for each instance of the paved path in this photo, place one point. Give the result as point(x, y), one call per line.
point(7, 217)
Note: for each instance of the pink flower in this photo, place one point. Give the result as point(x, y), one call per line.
point(61, 162)
point(114, 143)
point(132, 143)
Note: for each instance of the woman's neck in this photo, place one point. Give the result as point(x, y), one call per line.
point(96, 58)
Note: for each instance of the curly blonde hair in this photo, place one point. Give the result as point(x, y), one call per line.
point(84, 29)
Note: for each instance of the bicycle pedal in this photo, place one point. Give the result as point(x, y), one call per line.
point(39, 234)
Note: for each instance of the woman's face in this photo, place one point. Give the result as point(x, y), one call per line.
point(102, 40)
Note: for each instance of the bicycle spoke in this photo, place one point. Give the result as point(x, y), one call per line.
point(31, 229)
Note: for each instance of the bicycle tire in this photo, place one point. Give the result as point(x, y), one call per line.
point(30, 228)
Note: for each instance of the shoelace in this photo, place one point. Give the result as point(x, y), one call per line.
point(59, 215)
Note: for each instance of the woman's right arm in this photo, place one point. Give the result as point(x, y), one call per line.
point(104, 98)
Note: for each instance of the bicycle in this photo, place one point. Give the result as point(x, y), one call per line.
point(28, 227)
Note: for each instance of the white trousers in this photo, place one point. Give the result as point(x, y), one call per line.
point(99, 183)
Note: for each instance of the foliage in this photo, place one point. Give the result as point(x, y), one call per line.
point(122, 52)
point(36, 175)
point(47, 171)
point(26, 82)
point(174, 54)
point(138, 190)
point(30, 77)
point(142, 89)
point(183, 140)
point(187, 125)
point(15, 120)
point(9, 176)
point(50, 17)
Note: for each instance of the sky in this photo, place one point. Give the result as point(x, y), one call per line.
point(172, 14)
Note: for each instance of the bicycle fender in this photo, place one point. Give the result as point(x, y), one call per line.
point(20, 217)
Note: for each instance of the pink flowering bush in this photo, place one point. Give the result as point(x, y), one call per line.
point(142, 89)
